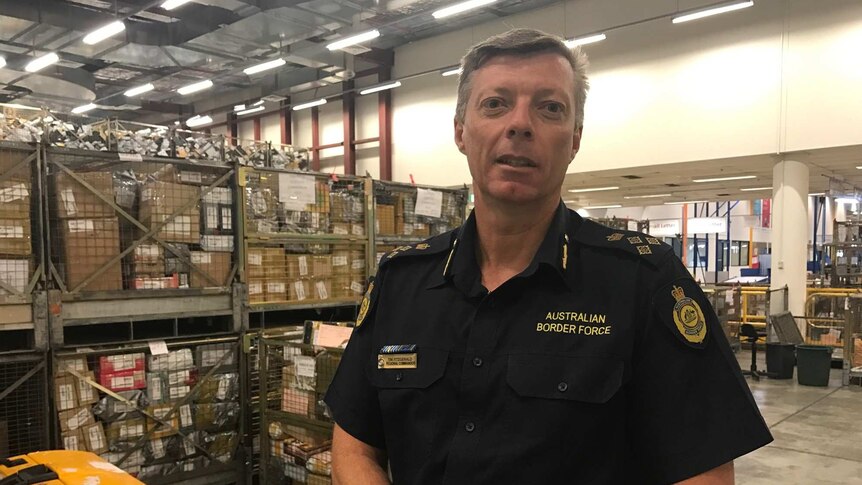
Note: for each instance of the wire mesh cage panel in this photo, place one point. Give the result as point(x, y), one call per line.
point(160, 417)
point(288, 157)
point(20, 220)
point(416, 213)
point(296, 429)
point(194, 145)
point(123, 223)
point(726, 303)
point(21, 124)
point(247, 152)
point(23, 413)
point(141, 138)
point(77, 132)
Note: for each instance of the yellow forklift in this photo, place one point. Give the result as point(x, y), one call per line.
point(62, 468)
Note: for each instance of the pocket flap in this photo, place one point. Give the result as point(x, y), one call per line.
point(587, 379)
point(430, 366)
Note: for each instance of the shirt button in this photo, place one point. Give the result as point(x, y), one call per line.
point(469, 427)
point(399, 376)
point(477, 361)
point(562, 387)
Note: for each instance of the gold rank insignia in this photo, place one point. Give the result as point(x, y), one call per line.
point(644, 250)
point(635, 240)
point(422, 246)
point(688, 317)
point(653, 241)
point(615, 237)
point(363, 307)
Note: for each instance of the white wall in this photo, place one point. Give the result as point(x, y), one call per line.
point(270, 129)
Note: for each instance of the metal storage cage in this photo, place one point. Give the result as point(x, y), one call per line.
point(296, 432)
point(164, 418)
point(24, 415)
point(725, 300)
point(20, 123)
point(247, 152)
point(853, 342)
point(306, 242)
point(407, 214)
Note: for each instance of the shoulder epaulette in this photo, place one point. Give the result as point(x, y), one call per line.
point(434, 245)
point(651, 249)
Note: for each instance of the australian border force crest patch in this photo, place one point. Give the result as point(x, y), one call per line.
point(681, 306)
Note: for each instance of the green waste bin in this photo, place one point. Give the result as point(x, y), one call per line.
point(780, 359)
point(813, 363)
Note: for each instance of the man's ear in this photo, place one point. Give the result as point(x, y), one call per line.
point(459, 135)
point(576, 141)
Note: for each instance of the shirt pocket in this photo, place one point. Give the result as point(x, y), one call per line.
point(586, 379)
point(430, 367)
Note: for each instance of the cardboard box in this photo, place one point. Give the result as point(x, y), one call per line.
point(126, 430)
point(88, 245)
point(321, 266)
point(87, 394)
point(77, 363)
point(274, 262)
point(186, 377)
point(94, 437)
point(126, 380)
point(65, 392)
point(298, 402)
point(15, 273)
point(173, 174)
point(276, 290)
point(348, 286)
point(385, 220)
point(217, 243)
point(155, 282)
point(298, 266)
point(160, 201)
point(256, 290)
point(208, 356)
point(321, 289)
point(121, 362)
point(178, 392)
point(15, 237)
point(216, 265)
point(15, 197)
point(74, 201)
point(75, 419)
point(149, 260)
point(254, 265)
point(340, 262)
point(299, 290)
point(160, 430)
point(73, 441)
point(173, 361)
point(357, 262)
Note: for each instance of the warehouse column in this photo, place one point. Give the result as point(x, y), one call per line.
point(790, 232)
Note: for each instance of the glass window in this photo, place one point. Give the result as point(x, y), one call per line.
point(743, 253)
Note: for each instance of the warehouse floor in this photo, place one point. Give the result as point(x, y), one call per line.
point(817, 432)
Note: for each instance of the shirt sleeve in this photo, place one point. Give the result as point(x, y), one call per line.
point(690, 407)
point(351, 398)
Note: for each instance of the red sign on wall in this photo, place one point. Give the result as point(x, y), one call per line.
point(766, 213)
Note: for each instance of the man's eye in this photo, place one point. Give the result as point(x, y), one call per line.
point(555, 108)
point(493, 103)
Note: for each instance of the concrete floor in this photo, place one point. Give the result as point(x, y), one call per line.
point(817, 431)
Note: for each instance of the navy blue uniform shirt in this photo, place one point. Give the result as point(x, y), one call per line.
point(602, 362)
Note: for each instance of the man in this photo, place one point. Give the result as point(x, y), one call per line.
point(531, 346)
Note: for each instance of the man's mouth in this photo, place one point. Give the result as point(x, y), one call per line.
point(517, 162)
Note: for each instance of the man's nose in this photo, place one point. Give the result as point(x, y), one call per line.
point(520, 123)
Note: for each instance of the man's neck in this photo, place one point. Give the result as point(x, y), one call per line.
point(508, 238)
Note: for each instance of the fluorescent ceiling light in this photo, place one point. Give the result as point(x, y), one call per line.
point(594, 189)
point(591, 39)
point(755, 189)
point(383, 87)
point(309, 105)
point(846, 200)
point(19, 106)
point(724, 179)
point(712, 11)
point(353, 40)
point(198, 120)
point(172, 4)
point(264, 67)
point(654, 196)
point(239, 107)
point(103, 33)
point(818, 194)
point(193, 88)
point(42, 62)
point(140, 90)
point(250, 111)
point(460, 8)
point(451, 72)
point(612, 206)
point(2, 61)
point(84, 108)
point(681, 202)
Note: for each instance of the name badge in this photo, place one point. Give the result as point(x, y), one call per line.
point(397, 357)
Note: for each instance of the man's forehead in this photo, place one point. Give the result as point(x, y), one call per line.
point(491, 69)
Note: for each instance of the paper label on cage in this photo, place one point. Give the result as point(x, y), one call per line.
point(180, 225)
point(122, 382)
point(357, 264)
point(255, 288)
point(275, 288)
point(156, 389)
point(212, 216)
point(181, 377)
point(300, 290)
point(189, 447)
point(322, 294)
point(85, 392)
point(130, 157)
point(15, 192)
point(304, 366)
point(71, 443)
point(188, 466)
point(210, 358)
point(296, 191)
point(222, 388)
point(340, 230)
point(357, 230)
point(158, 448)
point(179, 392)
point(356, 287)
point(408, 229)
point(81, 225)
point(95, 436)
point(255, 259)
point(158, 347)
point(190, 177)
point(161, 412)
point(148, 251)
point(198, 257)
point(429, 203)
point(12, 232)
point(226, 219)
point(303, 266)
point(186, 416)
point(67, 396)
point(339, 261)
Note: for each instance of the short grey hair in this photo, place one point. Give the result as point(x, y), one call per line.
point(522, 42)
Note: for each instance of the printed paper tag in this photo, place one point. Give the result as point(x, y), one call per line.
point(131, 157)
point(158, 448)
point(186, 416)
point(300, 290)
point(179, 392)
point(212, 216)
point(199, 257)
point(156, 389)
point(81, 225)
point(303, 266)
point(356, 287)
point(190, 177)
point(322, 294)
point(95, 437)
point(296, 191)
point(428, 203)
point(339, 261)
point(67, 396)
point(71, 443)
point(122, 382)
point(68, 198)
point(222, 388)
point(180, 225)
point(357, 230)
point(175, 378)
point(255, 259)
point(13, 193)
point(226, 219)
point(189, 447)
point(304, 366)
point(255, 288)
point(275, 288)
point(357, 264)
point(158, 347)
point(340, 230)
point(12, 232)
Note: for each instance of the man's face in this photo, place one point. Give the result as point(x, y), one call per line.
point(519, 127)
